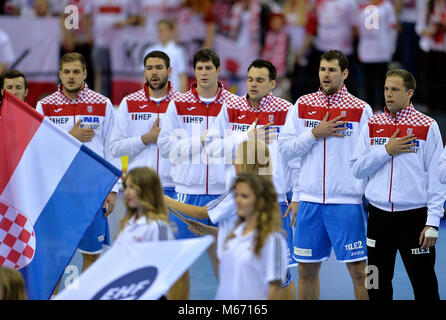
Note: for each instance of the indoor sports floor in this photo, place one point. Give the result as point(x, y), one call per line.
point(334, 278)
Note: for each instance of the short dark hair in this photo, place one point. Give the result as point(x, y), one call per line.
point(260, 63)
point(205, 55)
point(12, 74)
point(408, 79)
point(158, 54)
point(168, 23)
point(336, 55)
point(73, 57)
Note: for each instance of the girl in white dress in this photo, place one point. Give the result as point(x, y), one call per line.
point(147, 217)
point(253, 259)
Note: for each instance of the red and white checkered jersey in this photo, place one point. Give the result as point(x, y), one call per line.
point(231, 127)
point(187, 118)
point(335, 22)
point(377, 37)
point(135, 117)
point(95, 111)
point(325, 175)
point(405, 181)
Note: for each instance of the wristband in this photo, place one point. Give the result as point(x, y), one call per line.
point(431, 233)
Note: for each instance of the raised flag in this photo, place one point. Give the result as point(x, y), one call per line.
point(140, 271)
point(51, 187)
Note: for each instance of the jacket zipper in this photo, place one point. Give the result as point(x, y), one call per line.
point(391, 180)
point(207, 156)
point(325, 151)
point(157, 148)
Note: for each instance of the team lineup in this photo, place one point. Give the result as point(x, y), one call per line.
point(277, 185)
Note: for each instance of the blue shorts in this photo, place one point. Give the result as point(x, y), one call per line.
point(288, 232)
point(170, 192)
point(96, 236)
point(181, 228)
point(319, 227)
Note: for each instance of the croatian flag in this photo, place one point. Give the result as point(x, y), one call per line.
point(51, 187)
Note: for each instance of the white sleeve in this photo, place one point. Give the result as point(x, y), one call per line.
point(121, 143)
point(294, 168)
point(442, 167)
point(435, 191)
point(109, 123)
point(421, 22)
point(294, 140)
point(366, 160)
point(39, 107)
point(175, 143)
point(158, 231)
point(222, 207)
point(274, 257)
point(180, 64)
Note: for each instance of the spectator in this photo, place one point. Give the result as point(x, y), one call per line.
point(376, 47)
point(301, 27)
point(79, 39)
point(221, 10)
point(335, 21)
point(276, 43)
point(36, 8)
point(408, 49)
point(196, 12)
point(431, 26)
point(6, 52)
point(248, 25)
point(104, 16)
point(153, 11)
point(166, 44)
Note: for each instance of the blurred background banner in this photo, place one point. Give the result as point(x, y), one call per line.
point(36, 44)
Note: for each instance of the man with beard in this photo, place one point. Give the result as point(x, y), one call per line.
point(89, 117)
point(137, 124)
point(322, 131)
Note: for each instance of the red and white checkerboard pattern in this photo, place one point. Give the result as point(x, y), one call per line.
point(17, 238)
point(267, 104)
point(191, 96)
point(140, 95)
point(86, 95)
point(407, 116)
point(341, 99)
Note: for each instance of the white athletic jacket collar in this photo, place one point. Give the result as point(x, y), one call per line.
point(265, 101)
point(81, 94)
point(400, 115)
point(335, 97)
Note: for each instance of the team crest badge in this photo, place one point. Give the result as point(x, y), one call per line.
point(271, 118)
point(343, 113)
point(90, 109)
point(409, 130)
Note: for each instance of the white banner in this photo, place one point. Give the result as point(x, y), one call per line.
point(127, 52)
point(142, 271)
point(36, 44)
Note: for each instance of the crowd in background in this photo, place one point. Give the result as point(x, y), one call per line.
point(292, 34)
